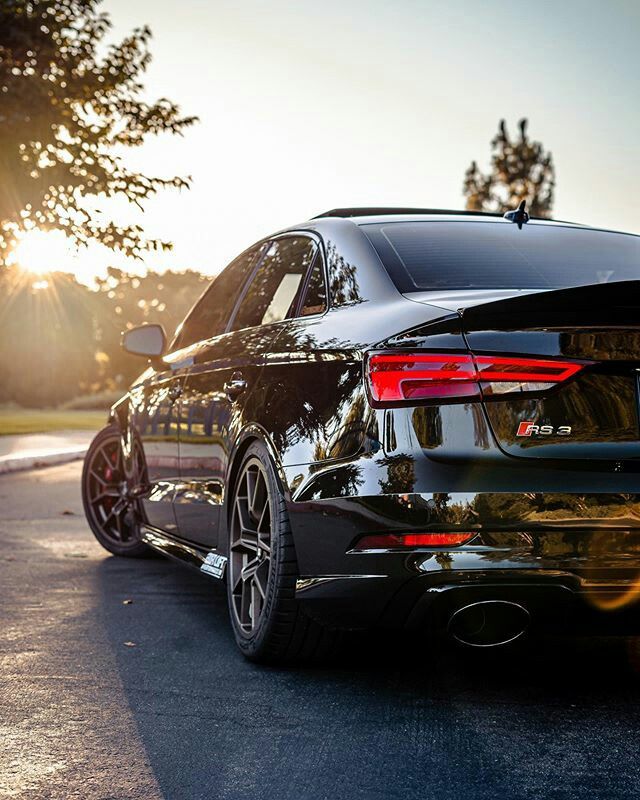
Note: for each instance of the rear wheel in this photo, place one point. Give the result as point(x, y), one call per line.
point(267, 620)
point(113, 515)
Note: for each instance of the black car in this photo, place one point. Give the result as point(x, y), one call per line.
point(393, 417)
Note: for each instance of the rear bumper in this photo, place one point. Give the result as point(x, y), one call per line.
point(572, 560)
point(559, 602)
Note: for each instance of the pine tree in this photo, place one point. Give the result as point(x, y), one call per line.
point(520, 170)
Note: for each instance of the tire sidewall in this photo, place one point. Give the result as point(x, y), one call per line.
point(252, 646)
point(133, 548)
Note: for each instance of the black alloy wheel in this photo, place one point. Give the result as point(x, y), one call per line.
point(268, 623)
point(112, 513)
point(250, 547)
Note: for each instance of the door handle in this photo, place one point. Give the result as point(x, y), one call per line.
point(235, 387)
point(175, 391)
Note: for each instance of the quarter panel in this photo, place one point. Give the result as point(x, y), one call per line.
point(312, 399)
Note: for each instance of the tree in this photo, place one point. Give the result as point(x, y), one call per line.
point(61, 339)
point(520, 170)
point(69, 105)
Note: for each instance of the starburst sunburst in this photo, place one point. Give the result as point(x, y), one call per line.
point(40, 253)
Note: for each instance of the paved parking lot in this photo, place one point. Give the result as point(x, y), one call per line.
point(148, 699)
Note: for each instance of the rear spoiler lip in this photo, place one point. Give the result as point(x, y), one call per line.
point(590, 294)
point(600, 305)
point(585, 295)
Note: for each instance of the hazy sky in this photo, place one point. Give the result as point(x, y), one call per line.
point(309, 105)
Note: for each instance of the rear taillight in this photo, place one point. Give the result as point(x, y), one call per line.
point(393, 541)
point(405, 377)
point(501, 375)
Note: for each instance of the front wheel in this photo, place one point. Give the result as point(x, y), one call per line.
point(112, 514)
point(268, 623)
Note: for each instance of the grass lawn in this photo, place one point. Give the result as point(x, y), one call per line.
point(19, 421)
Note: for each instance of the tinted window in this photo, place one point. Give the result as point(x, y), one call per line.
point(211, 313)
point(497, 255)
point(315, 295)
point(273, 291)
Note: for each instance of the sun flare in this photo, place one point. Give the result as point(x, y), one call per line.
point(40, 253)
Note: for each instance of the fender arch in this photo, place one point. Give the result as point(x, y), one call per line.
point(248, 435)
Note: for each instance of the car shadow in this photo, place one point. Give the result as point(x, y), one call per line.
point(387, 718)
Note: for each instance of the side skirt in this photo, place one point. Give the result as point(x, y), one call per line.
point(207, 562)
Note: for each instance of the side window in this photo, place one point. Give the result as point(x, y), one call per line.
point(315, 298)
point(210, 314)
point(272, 292)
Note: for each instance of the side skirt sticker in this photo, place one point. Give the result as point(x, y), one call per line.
point(214, 565)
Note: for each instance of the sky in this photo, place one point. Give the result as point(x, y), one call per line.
point(305, 106)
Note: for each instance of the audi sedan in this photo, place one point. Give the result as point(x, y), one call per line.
point(393, 418)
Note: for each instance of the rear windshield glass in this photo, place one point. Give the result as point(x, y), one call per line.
point(497, 255)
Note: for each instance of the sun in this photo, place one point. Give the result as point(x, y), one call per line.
point(38, 254)
point(41, 253)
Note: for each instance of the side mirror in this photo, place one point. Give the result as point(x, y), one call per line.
point(145, 340)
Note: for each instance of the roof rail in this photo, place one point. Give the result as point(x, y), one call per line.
point(382, 211)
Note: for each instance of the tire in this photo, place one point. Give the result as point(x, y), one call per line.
point(281, 632)
point(112, 516)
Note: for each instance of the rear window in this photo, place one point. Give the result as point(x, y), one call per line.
point(497, 255)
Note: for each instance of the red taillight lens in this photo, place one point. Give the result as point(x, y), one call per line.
point(390, 541)
point(397, 378)
point(415, 376)
point(502, 375)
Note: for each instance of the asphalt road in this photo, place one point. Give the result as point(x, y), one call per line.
point(149, 699)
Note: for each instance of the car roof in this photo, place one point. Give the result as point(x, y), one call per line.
point(386, 211)
point(379, 214)
point(370, 215)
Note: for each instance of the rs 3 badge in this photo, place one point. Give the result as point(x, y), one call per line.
point(531, 429)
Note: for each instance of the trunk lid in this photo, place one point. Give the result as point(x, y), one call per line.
point(593, 415)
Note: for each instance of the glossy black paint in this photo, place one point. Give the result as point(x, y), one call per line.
point(152, 415)
point(557, 514)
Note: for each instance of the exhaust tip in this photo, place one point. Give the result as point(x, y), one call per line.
point(489, 623)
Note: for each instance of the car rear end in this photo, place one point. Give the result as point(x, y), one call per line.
point(505, 491)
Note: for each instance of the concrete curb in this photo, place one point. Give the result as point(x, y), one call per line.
point(13, 463)
point(22, 463)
